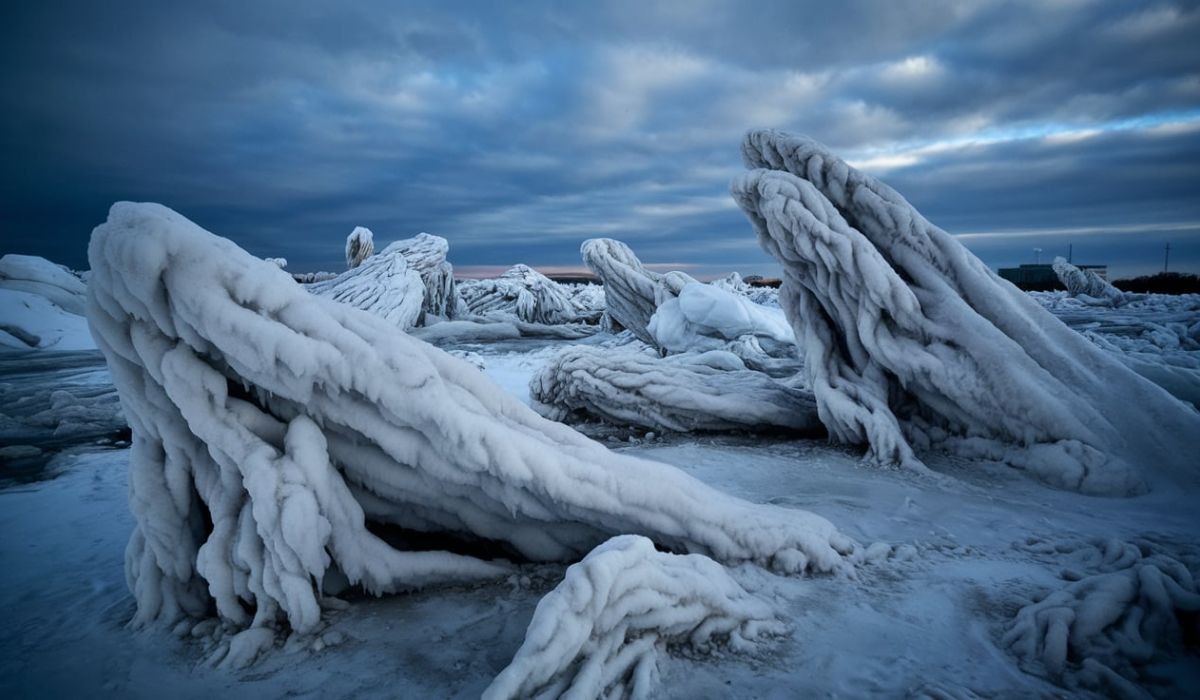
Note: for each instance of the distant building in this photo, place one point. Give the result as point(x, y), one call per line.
point(1042, 277)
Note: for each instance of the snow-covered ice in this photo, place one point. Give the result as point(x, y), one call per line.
point(286, 444)
point(680, 393)
point(910, 340)
point(288, 422)
point(360, 245)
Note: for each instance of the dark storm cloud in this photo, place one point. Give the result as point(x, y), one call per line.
point(518, 130)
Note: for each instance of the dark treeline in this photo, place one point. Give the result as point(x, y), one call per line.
point(1161, 283)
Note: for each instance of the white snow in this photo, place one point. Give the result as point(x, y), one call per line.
point(29, 320)
point(707, 317)
point(28, 273)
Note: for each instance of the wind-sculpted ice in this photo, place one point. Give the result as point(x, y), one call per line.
point(1124, 607)
point(588, 300)
point(1156, 335)
point(426, 254)
point(29, 273)
point(1085, 282)
point(600, 631)
point(631, 292)
point(910, 341)
point(271, 425)
point(732, 282)
point(678, 393)
point(281, 263)
point(360, 244)
point(383, 284)
point(707, 317)
point(523, 292)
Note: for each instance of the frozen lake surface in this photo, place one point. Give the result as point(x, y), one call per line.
point(928, 621)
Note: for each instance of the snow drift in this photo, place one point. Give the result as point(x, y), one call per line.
point(41, 306)
point(598, 633)
point(29, 273)
point(678, 393)
point(271, 427)
point(909, 340)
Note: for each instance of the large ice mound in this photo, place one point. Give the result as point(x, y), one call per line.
point(911, 341)
point(270, 426)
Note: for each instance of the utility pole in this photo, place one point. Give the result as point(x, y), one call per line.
point(1166, 255)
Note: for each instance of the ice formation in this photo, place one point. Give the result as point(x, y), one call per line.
point(31, 321)
point(598, 633)
point(678, 393)
point(281, 263)
point(1085, 282)
point(525, 293)
point(631, 292)
point(495, 327)
point(1156, 335)
point(383, 284)
point(1124, 605)
point(707, 317)
point(76, 406)
point(311, 277)
point(426, 254)
point(909, 340)
point(360, 244)
point(732, 282)
point(588, 300)
point(270, 426)
point(29, 273)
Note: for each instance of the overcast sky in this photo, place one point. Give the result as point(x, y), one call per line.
point(518, 129)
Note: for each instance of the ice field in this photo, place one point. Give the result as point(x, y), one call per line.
point(895, 476)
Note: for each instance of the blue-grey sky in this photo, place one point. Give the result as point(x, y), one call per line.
point(517, 130)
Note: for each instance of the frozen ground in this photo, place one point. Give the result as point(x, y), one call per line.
point(928, 621)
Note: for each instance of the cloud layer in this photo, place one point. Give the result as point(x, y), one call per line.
point(517, 130)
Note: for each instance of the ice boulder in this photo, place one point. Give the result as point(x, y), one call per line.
point(911, 341)
point(706, 317)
